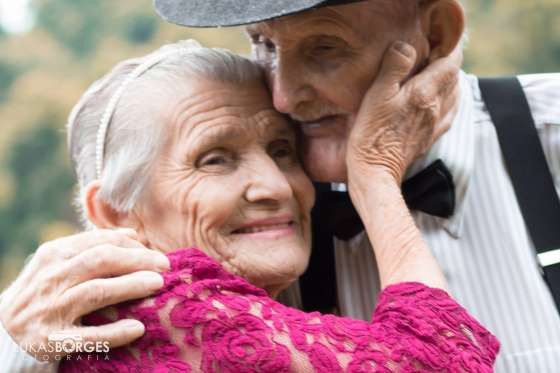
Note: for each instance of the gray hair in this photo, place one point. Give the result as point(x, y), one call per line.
point(134, 137)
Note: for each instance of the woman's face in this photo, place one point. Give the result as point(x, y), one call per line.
point(229, 182)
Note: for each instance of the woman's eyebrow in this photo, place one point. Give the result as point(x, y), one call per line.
point(283, 131)
point(218, 133)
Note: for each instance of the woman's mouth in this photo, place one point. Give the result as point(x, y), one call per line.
point(267, 228)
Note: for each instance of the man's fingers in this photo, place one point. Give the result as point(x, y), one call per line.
point(95, 294)
point(108, 261)
point(396, 66)
point(435, 82)
point(117, 334)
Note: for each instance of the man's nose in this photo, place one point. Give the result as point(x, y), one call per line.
point(290, 86)
point(268, 183)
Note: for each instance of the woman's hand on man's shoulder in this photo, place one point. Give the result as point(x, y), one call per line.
point(73, 276)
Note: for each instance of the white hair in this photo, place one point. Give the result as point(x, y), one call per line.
point(135, 136)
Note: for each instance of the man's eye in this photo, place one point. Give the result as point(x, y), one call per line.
point(322, 50)
point(269, 46)
point(264, 43)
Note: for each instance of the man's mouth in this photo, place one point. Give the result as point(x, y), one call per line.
point(322, 126)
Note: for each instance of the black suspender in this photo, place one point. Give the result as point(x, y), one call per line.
point(528, 170)
point(318, 283)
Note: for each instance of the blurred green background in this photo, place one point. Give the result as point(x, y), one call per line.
point(51, 50)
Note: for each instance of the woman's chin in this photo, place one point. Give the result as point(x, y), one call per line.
point(270, 263)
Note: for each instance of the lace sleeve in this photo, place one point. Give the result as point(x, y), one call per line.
point(205, 319)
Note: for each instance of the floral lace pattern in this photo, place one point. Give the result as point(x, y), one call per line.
point(206, 319)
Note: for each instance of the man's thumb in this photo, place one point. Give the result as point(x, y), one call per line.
point(396, 66)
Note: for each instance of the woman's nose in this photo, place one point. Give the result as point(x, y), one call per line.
point(268, 184)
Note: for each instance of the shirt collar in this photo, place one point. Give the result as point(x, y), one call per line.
point(456, 149)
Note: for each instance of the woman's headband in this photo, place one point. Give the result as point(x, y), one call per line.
point(108, 114)
point(111, 106)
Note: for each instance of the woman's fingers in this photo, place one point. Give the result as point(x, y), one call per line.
point(116, 334)
point(95, 294)
point(68, 247)
point(36, 304)
point(107, 260)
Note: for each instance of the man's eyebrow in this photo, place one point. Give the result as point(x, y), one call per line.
point(257, 28)
point(330, 27)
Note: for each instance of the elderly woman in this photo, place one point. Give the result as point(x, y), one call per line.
point(185, 147)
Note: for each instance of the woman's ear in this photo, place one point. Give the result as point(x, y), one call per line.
point(105, 216)
point(443, 24)
point(100, 212)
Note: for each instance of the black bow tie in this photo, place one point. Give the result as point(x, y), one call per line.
point(431, 191)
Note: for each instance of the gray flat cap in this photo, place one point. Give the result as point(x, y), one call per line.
point(213, 13)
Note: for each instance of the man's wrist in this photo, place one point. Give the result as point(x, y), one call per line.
point(361, 177)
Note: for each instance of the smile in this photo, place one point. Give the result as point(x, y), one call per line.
point(270, 227)
point(266, 228)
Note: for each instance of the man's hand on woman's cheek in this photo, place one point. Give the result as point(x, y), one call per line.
point(73, 276)
point(399, 122)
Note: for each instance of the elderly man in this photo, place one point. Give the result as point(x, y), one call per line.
point(320, 57)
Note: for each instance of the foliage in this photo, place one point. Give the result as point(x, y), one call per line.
point(43, 73)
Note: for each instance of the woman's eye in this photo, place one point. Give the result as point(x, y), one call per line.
point(215, 158)
point(281, 149)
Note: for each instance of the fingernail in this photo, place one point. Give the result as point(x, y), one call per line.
point(404, 48)
point(162, 262)
point(153, 280)
point(133, 324)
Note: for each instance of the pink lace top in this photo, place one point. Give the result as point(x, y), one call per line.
point(206, 319)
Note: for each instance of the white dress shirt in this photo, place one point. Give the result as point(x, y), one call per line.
point(484, 248)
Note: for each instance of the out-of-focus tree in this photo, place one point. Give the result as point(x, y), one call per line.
point(78, 24)
point(513, 36)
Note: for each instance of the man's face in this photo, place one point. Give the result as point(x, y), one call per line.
point(319, 65)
